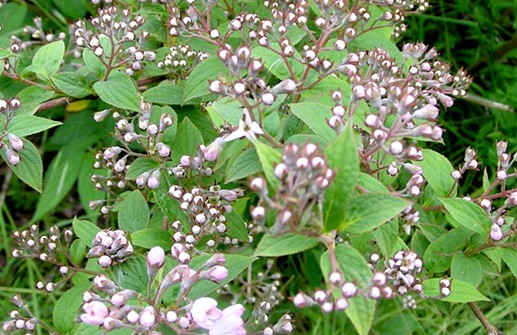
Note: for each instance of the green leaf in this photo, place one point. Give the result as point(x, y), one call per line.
point(438, 255)
point(510, 259)
point(354, 267)
point(85, 230)
point(169, 206)
point(377, 38)
point(119, 91)
point(282, 245)
point(71, 84)
point(169, 135)
point(467, 269)
point(66, 308)
point(133, 212)
point(315, 116)
point(468, 214)
point(342, 157)
point(93, 63)
point(86, 189)
point(132, 274)
point(225, 110)
point(371, 184)
point(236, 226)
point(386, 238)
point(59, 179)
point(369, 211)
point(49, 57)
point(187, 140)
point(77, 251)
point(30, 168)
point(275, 64)
point(197, 83)
point(73, 9)
point(460, 291)
point(246, 164)
point(12, 17)
point(268, 157)
point(34, 94)
point(141, 165)
point(25, 125)
point(437, 172)
point(235, 265)
point(165, 93)
point(152, 237)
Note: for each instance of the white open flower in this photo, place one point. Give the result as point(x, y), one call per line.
point(247, 128)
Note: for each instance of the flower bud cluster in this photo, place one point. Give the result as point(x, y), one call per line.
point(111, 247)
point(402, 271)
point(206, 211)
point(181, 60)
point(30, 244)
point(304, 176)
point(10, 142)
point(113, 30)
point(37, 34)
point(17, 323)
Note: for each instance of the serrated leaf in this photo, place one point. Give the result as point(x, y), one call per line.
point(468, 214)
point(133, 212)
point(235, 265)
point(368, 211)
point(246, 164)
point(460, 291)
point(132, 274)
point(467, 269)
point(225, 110)
point(353, 266)
point(30, 168)
point(85, 230)
point(77, 251)
point(25, 125)
point(438, 256)
point(342, 158)
point(71, 84)
point(34, 94)
point(268, 157)
point(236, 227)
point(285, 244)
point(119, 91)
point(141, 165)
point(169, 206)
point(152, 237)
point(198, 81)
point(66, 308)
point(49, 57)
point(437, 172)
point(315, 116)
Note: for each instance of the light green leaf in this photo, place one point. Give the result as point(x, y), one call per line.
point(59, 179)
point(133, 212)
point(354, 267)
point(198, 81)
point(315, 116)
point(85, 230)
point(285, 244)
point(268, 157)
point(437, 172)
point(25, 125)
point(368, 211)
point(141, 165)
point(467, 269)
point(49, 57)
point(93, 63)
point(460, 291)
point(438, 256)
point(510, 259)
point(152, 237)
point(77, 251)
point(71, 84)
point(66, 308)
point(468, 214)
point(34, 94)
point(225, 110)
point(30, 168)
point(119, 91)
point(342, 157)
point(275, 64)
point(246, 164)
point(165, 93)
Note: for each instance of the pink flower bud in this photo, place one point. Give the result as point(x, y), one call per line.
point(217, 273)
point(12, 157)
point(15, 142)
point(496, 233)
point(95, 313)
point(105, 261)
point(155, 258)
point(147, 317)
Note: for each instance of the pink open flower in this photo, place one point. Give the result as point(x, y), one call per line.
point(206, 315)
point(95, 314)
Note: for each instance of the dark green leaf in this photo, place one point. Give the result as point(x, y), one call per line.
point(77, 251)
point(165, 93)
point(152, 237)
point(315, 116)
point(286, 244)
point(236, 227)
point(132, 274)
point(467, 269)
point(187, 140)
point(198, 81)
point(438, 256)
point(66, 308)
point(510, 259)
point(246, 164)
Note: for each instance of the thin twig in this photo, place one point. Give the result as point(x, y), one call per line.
point(491, 330)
